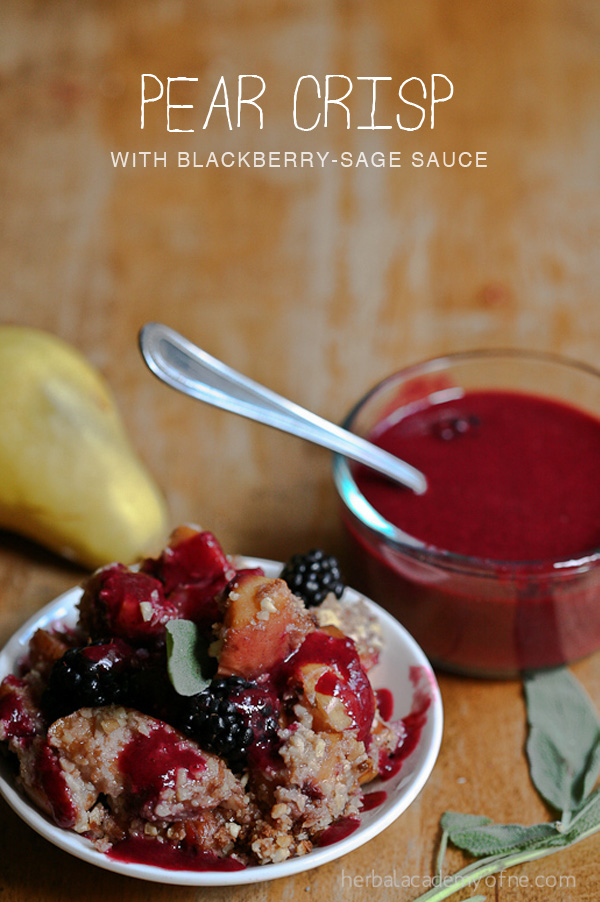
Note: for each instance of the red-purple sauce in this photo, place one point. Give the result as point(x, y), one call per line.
point(150, 763)
point(510, 477)
point(136, 850)
point(52, 782)
point(385, 703)
point(373, 799)
point(15, 719)
point(338, 831)
point(412, 723)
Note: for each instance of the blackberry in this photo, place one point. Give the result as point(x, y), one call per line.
point(313, 575)
point(149, 688)
point(260, 707)
point(91, 676)
point(216, 723)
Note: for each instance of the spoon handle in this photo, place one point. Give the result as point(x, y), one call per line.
point(186, 367)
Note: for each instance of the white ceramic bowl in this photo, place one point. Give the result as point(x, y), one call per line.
point(395, 672)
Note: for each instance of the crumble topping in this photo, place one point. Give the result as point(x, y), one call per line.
point(275, 749)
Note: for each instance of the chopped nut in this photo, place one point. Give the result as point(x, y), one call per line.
point(110, 725)
point(146, 610)
point(214, 649)
point(303, 847)
point(279, 810)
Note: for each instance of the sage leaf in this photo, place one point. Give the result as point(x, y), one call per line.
point(497, 839)
point(563, 745)
point(187, 657)
point(455, 821)
point(592, 769)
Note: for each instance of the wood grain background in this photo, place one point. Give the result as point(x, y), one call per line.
point(316, 282)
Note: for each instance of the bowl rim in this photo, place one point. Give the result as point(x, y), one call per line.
point(403, 543)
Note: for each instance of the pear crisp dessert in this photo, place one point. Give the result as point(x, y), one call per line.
point(200, 715)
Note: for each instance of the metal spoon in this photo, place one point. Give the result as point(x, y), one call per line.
point(188, 368)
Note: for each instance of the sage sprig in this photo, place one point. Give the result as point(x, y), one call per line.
point(563, 749)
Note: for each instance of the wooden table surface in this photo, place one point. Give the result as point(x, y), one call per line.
point(317, 282)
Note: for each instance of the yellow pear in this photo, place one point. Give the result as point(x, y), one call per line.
point(69, 477)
